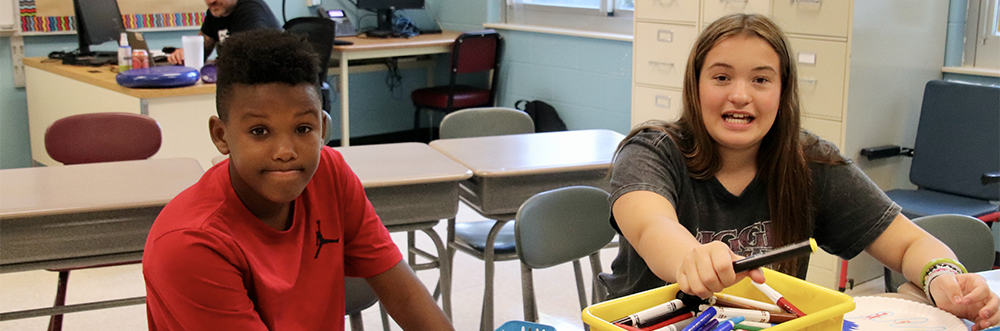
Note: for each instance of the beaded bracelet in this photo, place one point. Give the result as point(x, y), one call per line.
point(936, 268)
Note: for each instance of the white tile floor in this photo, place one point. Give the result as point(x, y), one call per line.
point(555, 291)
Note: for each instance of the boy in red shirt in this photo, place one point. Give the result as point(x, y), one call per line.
point(264, 240)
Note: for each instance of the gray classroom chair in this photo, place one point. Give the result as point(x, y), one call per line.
point(484, 240)
point(559, 226)
point(487, 121)
point(358, 296)
point(968, 237)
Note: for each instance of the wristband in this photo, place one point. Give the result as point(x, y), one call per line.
point(937, 268)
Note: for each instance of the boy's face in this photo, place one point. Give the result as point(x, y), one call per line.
point(273, 135)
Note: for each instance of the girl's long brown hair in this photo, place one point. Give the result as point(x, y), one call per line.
point(782, 157)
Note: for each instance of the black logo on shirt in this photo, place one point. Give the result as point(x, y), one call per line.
point(320, 240)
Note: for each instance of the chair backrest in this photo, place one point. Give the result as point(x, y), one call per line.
point(958, 139)
point(969, 238)
point(476, 51)
point(319, 32)
point(487, 121)
point(358, 295)
point(102, 137)
point(562, 225)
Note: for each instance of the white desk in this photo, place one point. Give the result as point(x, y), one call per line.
point(507, 170)
point(412, 187)
point(55, 91)
point(83, 215)
point(373, 48)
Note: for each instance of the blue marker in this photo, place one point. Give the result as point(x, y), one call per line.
point(728, 324)
point(710, 325)
point(700, 321)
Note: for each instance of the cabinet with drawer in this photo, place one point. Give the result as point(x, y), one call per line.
point(663, 55)
point(861, 67)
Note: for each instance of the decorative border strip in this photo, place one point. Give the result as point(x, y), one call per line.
point(32, 23)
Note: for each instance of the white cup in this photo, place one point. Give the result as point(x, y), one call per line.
point(194, 51)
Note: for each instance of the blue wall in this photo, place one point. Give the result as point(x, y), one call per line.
point(588, 81)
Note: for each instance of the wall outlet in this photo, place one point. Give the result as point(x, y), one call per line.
point(310, 3)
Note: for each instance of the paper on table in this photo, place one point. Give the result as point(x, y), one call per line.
point(881, 313)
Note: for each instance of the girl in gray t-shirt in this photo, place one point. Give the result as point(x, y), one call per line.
point(736, 176)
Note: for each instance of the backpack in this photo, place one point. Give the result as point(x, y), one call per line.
point(544, 115)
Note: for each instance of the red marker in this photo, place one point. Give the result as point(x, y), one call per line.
point(778, 299)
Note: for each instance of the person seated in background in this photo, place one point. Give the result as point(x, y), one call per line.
point(736, 176)
point(264, 240)
point(226, 17)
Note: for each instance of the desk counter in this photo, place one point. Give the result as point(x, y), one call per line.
point(104, 77)
point(55, 91)
point(407, 182)
point(60, 216)
point(507, 170)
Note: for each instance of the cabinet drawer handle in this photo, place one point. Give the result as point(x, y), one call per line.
point(665, 36)
point(744, 1)
point(657, 64)
point(663, 101)
point(809, 1)
point(812, 81)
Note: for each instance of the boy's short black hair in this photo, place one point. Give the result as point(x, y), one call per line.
point(260, 57)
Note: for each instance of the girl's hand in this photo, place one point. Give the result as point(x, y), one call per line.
point(708, 269)
point(967, 296)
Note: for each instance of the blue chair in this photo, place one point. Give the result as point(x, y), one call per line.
point(956, 156)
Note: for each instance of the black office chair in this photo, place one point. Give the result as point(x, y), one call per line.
point(473, 52)
point(956, 157)
point(320, 33)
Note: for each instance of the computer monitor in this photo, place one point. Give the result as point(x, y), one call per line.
point(383, 12)
point(97, 22)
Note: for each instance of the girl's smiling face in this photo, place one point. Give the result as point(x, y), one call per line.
point(740, 91)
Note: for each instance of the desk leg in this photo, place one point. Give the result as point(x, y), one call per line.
point(345, 131)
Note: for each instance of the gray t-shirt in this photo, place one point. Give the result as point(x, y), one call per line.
point(850, 210)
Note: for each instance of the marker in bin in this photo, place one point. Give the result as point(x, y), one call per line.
point(728, 324)
point(652, 315)
point(706, 314)
point(778, 299)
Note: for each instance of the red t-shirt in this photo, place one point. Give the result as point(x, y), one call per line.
point(209, 264)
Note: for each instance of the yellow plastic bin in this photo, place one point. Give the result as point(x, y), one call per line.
point(824, 308)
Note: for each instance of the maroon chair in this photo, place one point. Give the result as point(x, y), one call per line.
point(102, 137)
point(92, 138)
point(473, 52)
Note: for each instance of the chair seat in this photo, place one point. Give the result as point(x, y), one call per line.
point(437, 97)
point(918, 203)
point(474, 234)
